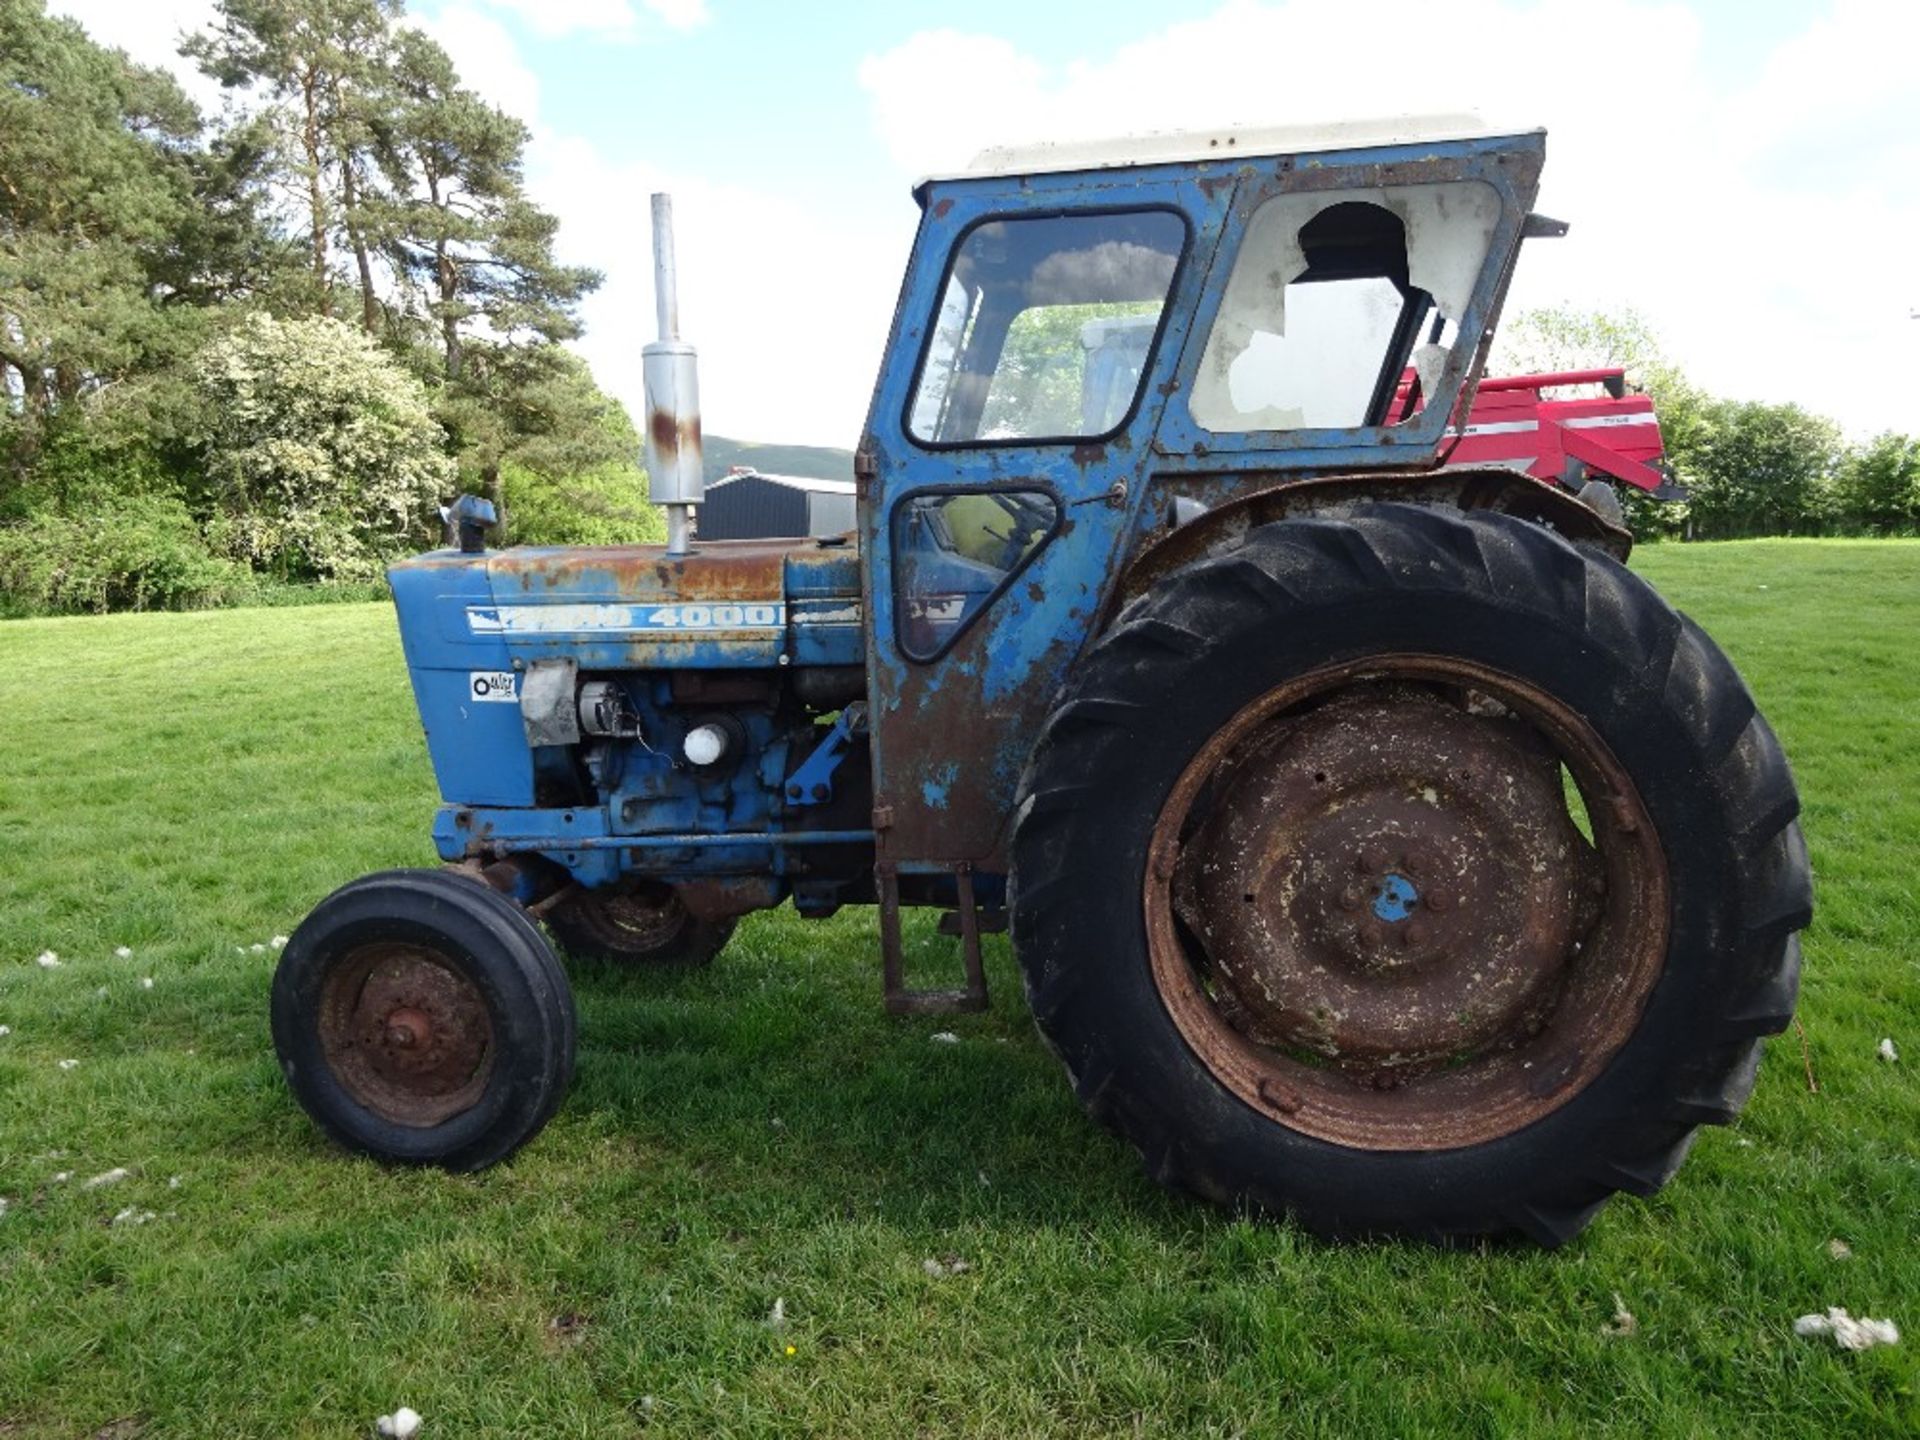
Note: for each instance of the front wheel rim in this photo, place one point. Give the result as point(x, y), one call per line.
point(1374, 916)
point(406, 1033)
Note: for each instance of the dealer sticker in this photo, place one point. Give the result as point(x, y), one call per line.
point(493, 685)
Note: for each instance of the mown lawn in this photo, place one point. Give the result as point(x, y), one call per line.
point(187, 785)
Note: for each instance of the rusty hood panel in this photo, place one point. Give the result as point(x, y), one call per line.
point(726, 604)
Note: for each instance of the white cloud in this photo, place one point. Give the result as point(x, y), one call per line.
point(680, 14)
point(603, 19)
point(1765, 230)
point(150, 33)
point(485, 56)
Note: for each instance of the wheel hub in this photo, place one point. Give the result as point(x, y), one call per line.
point(1375, 917)
point(405, 1034)
point(1390, 882)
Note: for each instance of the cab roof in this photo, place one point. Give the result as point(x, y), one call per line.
point(1231, 142)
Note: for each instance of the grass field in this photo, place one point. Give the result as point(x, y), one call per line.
point(186, 786)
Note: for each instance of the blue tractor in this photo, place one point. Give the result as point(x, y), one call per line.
point(1375, 846)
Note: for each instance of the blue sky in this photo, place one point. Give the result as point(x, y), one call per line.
point(1741, 173)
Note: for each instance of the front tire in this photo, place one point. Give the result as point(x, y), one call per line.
point(421, 1018)
point(1462, 878)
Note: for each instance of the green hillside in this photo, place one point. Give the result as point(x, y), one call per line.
point(817, 462)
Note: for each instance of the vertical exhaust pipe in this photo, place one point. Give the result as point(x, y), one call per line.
point(669, 367)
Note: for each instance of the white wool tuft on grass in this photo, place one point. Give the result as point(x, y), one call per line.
point(107, 1177)
point(402, 1424)
point(1887, 1052)
point(146, 982)
point(945, 1037)
point(122, 952)
point(131, 1216)
point(4, 1203)
point(1623, 1322)
point(5, 1030)
point(1849, 1333)
point(278, 942)
point(47, 960)
point(1839, 1249)
point(69, 1064)
point(777, 1317)
point(948, 1265)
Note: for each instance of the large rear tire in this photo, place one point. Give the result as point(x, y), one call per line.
point(1415, 872)
point(421, 1017)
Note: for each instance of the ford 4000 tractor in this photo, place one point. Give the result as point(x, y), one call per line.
point(1375, 846)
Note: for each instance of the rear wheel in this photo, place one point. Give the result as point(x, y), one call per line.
point(1467, 878)
point(421, 1017)
point(644, 924)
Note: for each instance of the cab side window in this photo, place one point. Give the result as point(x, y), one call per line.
point(1044, 328)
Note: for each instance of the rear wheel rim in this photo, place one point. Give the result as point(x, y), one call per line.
point(406, 1033)
point(1373, 913)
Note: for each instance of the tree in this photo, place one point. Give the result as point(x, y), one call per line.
point(465, 239)
point(1761, 469)
point(323, 65)
point(1879, 485)
point(97, 186)
point(321, 457)
point(534, 411)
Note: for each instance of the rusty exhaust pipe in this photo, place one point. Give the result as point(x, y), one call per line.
point(669, 367)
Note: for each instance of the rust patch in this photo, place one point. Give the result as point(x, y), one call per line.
point(1085, 455)
point(713, 570)
point(940, 210)
point(1403, 943)
point(670, 435)
point(406, 1034)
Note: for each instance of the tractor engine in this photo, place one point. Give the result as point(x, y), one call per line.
point(586, 706)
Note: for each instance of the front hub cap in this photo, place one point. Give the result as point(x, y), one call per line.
point(406, 1034)
point(1373, 911)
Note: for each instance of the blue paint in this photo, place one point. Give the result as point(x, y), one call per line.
point(953, 732)
point(1396, 899)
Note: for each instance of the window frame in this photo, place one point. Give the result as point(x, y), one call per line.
point(1063, 212)
point(898, 598)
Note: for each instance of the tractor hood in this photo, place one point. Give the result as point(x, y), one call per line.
point(739, 604)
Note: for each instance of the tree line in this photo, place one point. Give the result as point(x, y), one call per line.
point(262, 347)
point(1750, 467)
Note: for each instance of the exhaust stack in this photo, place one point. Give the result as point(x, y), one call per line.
point(669, 367)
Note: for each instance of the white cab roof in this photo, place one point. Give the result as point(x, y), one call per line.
point(1231, 142)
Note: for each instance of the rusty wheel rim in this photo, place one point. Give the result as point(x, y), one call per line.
point(406, 1034)
point(1373, 912)
point(639, 921)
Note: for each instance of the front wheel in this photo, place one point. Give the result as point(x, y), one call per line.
point(1464, 878)
point(421, 1017)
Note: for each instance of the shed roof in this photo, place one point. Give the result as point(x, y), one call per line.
point(810, 483)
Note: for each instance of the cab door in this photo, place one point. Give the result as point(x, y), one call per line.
point(1010, 430)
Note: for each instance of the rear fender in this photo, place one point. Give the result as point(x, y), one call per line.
point(1225, 526)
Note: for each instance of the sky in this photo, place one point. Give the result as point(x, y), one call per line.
point(1743, 173)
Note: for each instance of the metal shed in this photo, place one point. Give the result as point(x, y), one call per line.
point(746, 505)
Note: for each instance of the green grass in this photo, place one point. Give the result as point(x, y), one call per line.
point(189, 784)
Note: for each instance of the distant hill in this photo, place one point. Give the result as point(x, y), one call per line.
point(818, 462)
